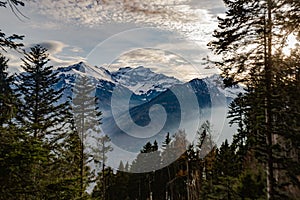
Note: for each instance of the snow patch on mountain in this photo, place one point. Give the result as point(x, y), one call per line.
point(87, 70)
point(216, 82)
point(141, 80)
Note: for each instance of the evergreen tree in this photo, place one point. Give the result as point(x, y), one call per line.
point(44, 120)
point(39, 111)
point(15, 159)
point(167, 141)
point(175, 155)
point(251, 184)
point(144, 168)
point(86, 120)
point(106, 182)
point(247, 38)
point(100, 156)
point(68, 184)
point(221, 173)
point(205, 143)
point(7, 99)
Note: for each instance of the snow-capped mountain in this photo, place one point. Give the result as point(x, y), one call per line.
point(142, 80)
point(147, 89)
point(139, 80)
point(216, 82)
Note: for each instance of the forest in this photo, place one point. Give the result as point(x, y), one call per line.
point(43, 154)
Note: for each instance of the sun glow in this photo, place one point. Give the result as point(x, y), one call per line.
point(292, 43)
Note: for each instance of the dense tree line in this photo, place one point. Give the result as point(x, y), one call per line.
point(203, 171)
point(39, 142)
point(251, 38)
point(42, 152)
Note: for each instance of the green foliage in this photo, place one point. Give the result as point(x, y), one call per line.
point(250, 38)
point(86, 121)
point(40, 112)
point(7, 98)
point(251, 184)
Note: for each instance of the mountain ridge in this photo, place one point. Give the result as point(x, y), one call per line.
point(127, 82)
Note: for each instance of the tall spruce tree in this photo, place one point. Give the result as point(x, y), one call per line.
point(14, 155)
point(40, 112)
point(14, 161)
point(100, 151)
point(44, 120)
point(87, 120)
point(247, 38)
point(7, 99)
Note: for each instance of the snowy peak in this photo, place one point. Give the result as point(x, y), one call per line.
point(216, 81)
point(87, 70)
point(142, 80)
point(80, 67)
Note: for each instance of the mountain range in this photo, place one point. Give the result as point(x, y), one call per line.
point(139, 105)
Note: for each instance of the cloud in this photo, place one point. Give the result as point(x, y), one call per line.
point(162, 61)
point(191, 18)
point(53, 47)
point(57, 48)
point(162, 51)
point(183, 27)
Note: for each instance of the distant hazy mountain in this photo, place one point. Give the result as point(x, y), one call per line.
point(146, 89)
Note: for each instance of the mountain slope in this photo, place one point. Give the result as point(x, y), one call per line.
point(138, 90)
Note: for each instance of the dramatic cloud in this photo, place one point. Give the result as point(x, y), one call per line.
point(192, 19)
point(72, 30)
point(162, 51)
point(53, 47)
point(56, 50)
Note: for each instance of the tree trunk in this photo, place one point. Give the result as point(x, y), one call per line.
point(268, 114)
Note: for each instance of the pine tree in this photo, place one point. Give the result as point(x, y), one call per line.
point(44, 121)
point(205, 143)
point(7, 99)
point(221, 173)
point(68, 185)
point(114, 182)
point(39, 111)
point(100, 155)
point(106, 180)
point(144, 168)
point(175, 155)
point(14, 161)
point(251, 184)
point(247, 38)
point(86, 121)
point(286, 107)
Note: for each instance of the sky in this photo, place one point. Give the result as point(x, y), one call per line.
point(168, 36)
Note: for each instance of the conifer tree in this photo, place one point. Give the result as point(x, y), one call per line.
point(13, 153)
point(39, 111)
point(100, 156)
point(44, 120)
point(87, 119)
point(7, 99)
point(247, 38)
